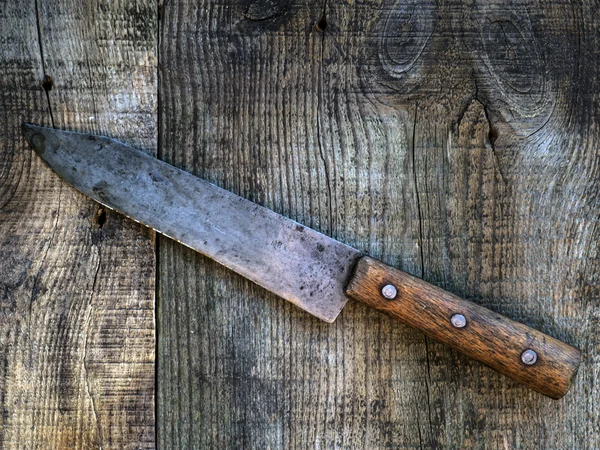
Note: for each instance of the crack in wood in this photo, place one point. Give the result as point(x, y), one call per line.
point(422, 260)
point(492, 132)
point(330, 219)
point(41, 46)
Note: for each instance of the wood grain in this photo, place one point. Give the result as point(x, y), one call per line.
point(485, 336)
point(457, 141)
point(76, 282)
point(453, 140)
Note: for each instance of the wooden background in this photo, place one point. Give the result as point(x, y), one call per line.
point(456, 140)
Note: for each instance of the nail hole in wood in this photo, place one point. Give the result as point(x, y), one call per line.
point(101, 218)
point(47, 83)
point(322, 25)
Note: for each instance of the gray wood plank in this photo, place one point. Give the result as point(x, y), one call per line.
point(77, 282)
point(456, 141)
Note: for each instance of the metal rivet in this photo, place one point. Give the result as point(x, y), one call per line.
point(529, 357)
point(389, 291)
point(458, 321)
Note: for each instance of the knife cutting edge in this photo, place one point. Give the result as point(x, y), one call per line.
point(311, 270)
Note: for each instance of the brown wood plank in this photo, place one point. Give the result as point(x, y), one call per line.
point(77, 282)
point(455, 141)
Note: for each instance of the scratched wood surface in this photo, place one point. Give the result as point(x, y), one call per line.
point(76, 282)
point(455, 140)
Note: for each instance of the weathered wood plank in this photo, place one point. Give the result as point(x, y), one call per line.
point(508, 224)
point(77, 288)
point(255, 373)
point(455, 141)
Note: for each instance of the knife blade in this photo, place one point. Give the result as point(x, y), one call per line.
point(313, 271)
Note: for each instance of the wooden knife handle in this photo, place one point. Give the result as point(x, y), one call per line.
point(528, 356)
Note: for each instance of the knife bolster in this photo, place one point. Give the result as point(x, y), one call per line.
point(524, 354)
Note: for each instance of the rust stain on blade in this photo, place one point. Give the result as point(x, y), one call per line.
point(297, 263)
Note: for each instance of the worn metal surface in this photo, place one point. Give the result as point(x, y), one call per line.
point(297, 263)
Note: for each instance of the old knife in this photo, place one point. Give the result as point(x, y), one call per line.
point(313, 271)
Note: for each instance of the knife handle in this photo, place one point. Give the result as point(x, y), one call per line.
point(528, 356)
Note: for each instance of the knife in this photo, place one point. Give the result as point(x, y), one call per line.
point(311, 270)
